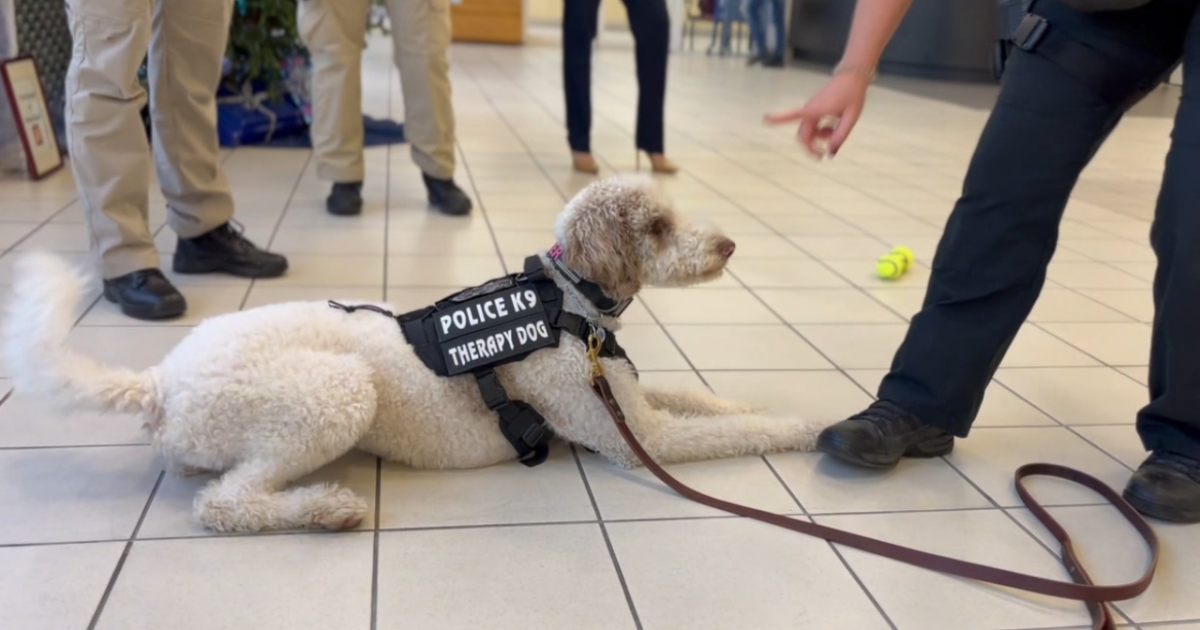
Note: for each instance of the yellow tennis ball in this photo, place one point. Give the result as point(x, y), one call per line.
point(909, 259)
point(890, 267)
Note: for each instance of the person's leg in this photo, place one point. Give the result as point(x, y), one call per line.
point(580, 20)
point(991, 262)
point(758, 31)
point(775, 59)
point(726, 25)
point(421, 44)
point(651, 26)
point(1168, 485)
point(334, 32)
point(186, 51)
point(109, 155)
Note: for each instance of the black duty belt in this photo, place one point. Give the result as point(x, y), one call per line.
point(1110, 77)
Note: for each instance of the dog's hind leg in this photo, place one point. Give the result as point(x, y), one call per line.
point(309, 409)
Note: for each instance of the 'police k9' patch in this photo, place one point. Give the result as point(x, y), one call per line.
point(490, 329)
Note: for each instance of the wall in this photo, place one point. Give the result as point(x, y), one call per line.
point(42, 33)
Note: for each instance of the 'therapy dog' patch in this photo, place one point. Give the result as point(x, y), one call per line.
point(490, 329)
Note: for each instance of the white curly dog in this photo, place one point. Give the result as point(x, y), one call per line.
point(266, 396)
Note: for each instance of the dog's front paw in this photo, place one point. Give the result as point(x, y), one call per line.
point(341, 509)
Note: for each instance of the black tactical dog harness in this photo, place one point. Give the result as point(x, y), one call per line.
point(504, 321)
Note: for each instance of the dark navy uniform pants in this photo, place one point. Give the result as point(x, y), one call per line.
point(991, 262)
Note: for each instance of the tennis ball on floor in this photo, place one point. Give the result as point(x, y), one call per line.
point(895, 263)
point(891, 266)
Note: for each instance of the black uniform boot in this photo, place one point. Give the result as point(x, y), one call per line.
point(1166, 487)
point(145, 294)
point(345, 199)
point(447, 197)
point(880, 436)
point(225, 250)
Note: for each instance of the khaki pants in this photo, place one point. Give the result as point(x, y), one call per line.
point(108, 149)
point(334, 32)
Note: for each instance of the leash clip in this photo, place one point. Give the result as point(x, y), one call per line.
point(595, 342)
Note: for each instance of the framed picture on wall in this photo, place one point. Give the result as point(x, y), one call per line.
point(27, 99)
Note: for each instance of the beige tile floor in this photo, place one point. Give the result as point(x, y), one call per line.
point(94, 535)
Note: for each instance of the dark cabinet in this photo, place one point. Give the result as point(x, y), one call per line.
point(938, 39)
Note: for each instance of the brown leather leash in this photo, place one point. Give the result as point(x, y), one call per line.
point(1081, 588)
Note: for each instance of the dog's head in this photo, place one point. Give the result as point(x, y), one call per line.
point(622, 234)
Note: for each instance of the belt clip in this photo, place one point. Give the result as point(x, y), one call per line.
point(1030, 31)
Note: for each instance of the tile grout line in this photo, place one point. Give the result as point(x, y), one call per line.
point(112, 580)
point(375, 550)
point(287, 207)
point(528, 151)
point(832, 547)
point(1006, 511)
point(387, 237)
point(612, 552)
point(387, 218)
point(616, 521)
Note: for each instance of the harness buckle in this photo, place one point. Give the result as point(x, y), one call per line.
point(524, 423)
point(1030, 31)
point(493, 392)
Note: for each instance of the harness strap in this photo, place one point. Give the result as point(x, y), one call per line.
point(524, 428)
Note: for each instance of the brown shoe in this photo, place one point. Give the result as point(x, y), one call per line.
point(584, 163)
point(659, 164)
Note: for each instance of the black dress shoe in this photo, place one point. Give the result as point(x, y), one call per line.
point(225, 250)
point(345, 199)
point(145, 294)
point(1167, 487)
point(446, 196)
point(880, 436)
point(773, 62)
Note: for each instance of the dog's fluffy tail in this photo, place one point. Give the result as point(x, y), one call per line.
point(45, 297)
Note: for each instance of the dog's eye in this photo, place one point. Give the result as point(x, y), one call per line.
point(660, 225)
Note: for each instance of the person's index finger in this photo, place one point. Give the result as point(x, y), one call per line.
point(789, 116)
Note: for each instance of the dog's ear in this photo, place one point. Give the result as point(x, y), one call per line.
point(600, 239)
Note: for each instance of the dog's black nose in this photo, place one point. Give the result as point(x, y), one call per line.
point(726, 248)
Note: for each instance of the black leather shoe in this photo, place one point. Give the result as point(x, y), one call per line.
point(880, 436)
point(1167, 487)
point(773, 62)
point(345, 199)
point(446, 196)
point(145, 294)
point(225, 250)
